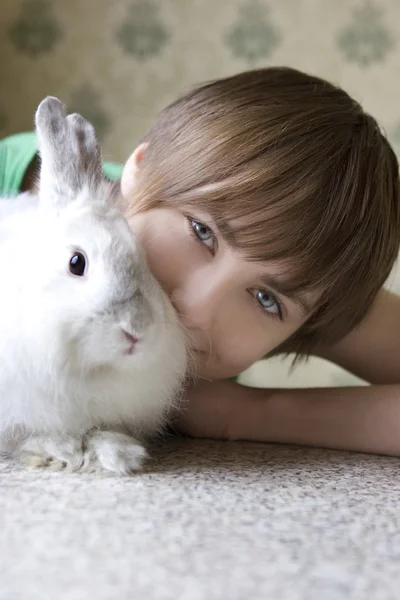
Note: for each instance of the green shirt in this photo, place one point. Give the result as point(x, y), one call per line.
point(16, 154)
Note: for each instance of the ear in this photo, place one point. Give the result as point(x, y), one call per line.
point(131, 170)
point(70, 154)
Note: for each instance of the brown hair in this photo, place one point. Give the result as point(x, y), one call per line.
point(301, 172)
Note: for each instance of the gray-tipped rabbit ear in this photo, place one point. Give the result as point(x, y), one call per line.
point(70, 153)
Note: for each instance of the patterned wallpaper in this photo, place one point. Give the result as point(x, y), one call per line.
point(120, 61)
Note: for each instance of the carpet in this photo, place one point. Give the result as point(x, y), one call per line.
point(205, 520)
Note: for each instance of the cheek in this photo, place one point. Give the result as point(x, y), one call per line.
point(243, 352)
point(239, 347)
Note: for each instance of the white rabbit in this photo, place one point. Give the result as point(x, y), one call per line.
point(91, 350)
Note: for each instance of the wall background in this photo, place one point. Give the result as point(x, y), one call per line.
point(119, 62)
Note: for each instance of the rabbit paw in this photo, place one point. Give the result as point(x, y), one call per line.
point(56, 453)
point(113, 451)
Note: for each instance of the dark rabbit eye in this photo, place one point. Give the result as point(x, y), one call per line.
point(77, 264)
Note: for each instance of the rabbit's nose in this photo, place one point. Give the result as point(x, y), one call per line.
point(132, 341)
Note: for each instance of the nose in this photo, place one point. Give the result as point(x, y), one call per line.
point(198, 303)
point(132, 341)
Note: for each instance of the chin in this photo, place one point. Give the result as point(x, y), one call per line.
point(203, 368)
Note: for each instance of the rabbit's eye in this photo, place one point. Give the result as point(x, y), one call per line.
point(77, 264)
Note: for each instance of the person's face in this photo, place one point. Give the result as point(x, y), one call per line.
point(230, 306)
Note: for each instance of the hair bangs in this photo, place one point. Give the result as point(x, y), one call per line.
point(276, 225)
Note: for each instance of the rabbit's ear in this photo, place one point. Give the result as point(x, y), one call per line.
point(70, 153)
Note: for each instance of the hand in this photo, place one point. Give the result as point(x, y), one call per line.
point(209, 409)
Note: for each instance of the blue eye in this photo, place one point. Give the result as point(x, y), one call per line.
point(267, 302)
point(203, 233)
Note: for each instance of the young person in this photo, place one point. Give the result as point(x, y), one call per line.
point(268, 205)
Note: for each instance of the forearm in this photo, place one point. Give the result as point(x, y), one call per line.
point(364, 419)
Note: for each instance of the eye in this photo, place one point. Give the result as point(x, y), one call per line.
point(203, 233)
point(268, 302)
point(77, 264)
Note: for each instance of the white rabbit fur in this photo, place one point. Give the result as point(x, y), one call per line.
point(71, 394)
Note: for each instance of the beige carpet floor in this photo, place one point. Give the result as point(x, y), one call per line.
point(206, 521)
